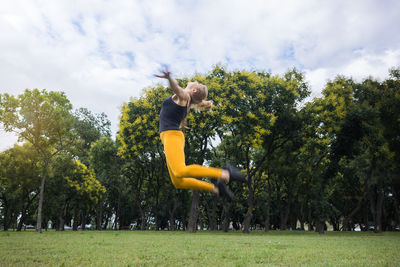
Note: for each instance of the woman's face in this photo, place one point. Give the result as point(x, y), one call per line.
point(194, 88)
point(193, 85)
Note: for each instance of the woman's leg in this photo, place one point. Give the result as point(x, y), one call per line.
point(174, 144)
point(189, 183)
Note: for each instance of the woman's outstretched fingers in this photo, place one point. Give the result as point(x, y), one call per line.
point(165, 72)
point(165, 75)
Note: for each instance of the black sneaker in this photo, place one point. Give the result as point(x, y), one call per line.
point(235, 174)
point(224, 190)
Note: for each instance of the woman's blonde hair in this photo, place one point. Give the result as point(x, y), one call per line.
point(202, 105)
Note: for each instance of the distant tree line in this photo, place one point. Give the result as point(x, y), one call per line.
point(309, 163)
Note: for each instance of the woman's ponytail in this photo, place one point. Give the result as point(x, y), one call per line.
point(205, 105)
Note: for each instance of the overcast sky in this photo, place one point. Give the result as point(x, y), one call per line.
point(101, 53)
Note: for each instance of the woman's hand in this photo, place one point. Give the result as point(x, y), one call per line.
point(182, 95)
point(166, 74)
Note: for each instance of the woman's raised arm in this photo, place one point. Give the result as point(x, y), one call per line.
point(182, 95)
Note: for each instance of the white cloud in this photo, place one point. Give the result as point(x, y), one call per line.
point(360, 66)
point(375, 65)
point(103, 52)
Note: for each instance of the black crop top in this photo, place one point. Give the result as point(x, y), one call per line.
point(171, 115)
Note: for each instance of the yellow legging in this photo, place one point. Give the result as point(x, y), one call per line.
point(174, 144)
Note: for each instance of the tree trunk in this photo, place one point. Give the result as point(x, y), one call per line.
point(184, 221)
point(121, 220)
point(386, 222)
point(195, 207)
point(172, 213)
point(171, 222)
point(60, 226)
point(143, 219)
point(285, 216)
point(268, 208)
point(157, 218)
point(60, 222)
point(83, 223)
point(107, 220)
point(267, 221)
point(25, 208)
point(46, 224)
point(41, 197)
point(396, 206)
point(99, 214)
point(302, 224)
point(5, 214)
point(279, 202)
point(212, 215)
point(76, 219)
point(194, 212)
point(310, 221)
point(293, 220)
point(335, 223)
point(118, 211)
point(21, 222)
point(226, 217)
point(249, 213)
point(23, 213)
point(372, 202)
point(320, 225)
point(346, 221)
point(379, 204)
point(302, 216)
point(365, 217)
point(285, 212)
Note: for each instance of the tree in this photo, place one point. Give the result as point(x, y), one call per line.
point(260, 116)
point(202, 132)
point(141, 147)
point(43, 119)
point(19, 180)
point(107, 167)
point(89, 128)
point(88, 190)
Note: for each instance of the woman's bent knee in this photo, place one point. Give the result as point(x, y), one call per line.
point(178, 184)
point(180, 172)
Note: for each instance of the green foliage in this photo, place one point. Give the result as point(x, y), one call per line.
point(84, 183)
point(138, 131)
point(104, 159)
point(43, 118)
point(19, 180)
point(332, 159)
point(89, 128)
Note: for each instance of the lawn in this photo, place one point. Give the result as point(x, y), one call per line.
point(163, 248)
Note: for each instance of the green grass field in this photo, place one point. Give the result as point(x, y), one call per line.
point(162, 248)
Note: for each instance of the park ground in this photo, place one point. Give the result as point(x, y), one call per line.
point(204, 248)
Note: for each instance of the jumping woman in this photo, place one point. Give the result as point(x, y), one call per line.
point(173, 114)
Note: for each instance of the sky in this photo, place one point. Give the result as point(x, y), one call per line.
point(101, 53)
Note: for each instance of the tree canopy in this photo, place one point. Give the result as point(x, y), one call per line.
point(330, 162)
